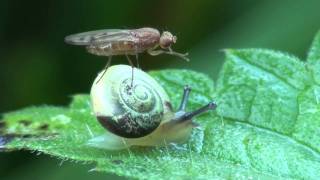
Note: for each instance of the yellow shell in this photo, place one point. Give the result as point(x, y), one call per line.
point(125, 109)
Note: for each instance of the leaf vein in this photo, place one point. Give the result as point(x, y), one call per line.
point(266, 71)
point(271, 131)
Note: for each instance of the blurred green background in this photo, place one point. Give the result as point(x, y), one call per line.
point(36, 67)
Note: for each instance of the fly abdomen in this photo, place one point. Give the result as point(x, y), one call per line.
point(96, 50)
point(115, 48)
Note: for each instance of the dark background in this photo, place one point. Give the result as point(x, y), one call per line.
point(36, 67)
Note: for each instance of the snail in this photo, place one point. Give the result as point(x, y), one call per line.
point(138, 115)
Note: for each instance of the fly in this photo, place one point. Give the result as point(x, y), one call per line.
point(111, 42)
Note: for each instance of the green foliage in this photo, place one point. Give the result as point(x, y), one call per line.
point(267, 124)
point(314, 59)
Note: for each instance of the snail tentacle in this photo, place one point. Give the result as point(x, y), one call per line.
point(185, 97)
point(189, 115)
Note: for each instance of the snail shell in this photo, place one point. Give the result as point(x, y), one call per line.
point(125, 109)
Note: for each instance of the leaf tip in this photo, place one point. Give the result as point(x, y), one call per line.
point(225, 50)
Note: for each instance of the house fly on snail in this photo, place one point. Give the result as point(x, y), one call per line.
point(111, 42)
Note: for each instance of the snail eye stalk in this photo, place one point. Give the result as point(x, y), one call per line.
point(185, 97)
point(184, 116)
point(189, 115)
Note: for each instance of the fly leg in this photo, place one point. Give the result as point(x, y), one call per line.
point(154, 52)
point(137, 58)
point(132, 66)
point(105, 68)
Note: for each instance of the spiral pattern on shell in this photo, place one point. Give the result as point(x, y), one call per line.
point(140, 98)
point(125, 110)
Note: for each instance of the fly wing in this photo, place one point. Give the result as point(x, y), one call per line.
point(99, 37)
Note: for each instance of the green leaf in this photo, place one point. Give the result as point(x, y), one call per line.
point(272, 122)
point(314, 58)
point(64, 131)
point(267, 124)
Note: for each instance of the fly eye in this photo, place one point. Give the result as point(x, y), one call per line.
point(166, 42)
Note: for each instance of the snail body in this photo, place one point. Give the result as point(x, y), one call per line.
point(140, 114)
